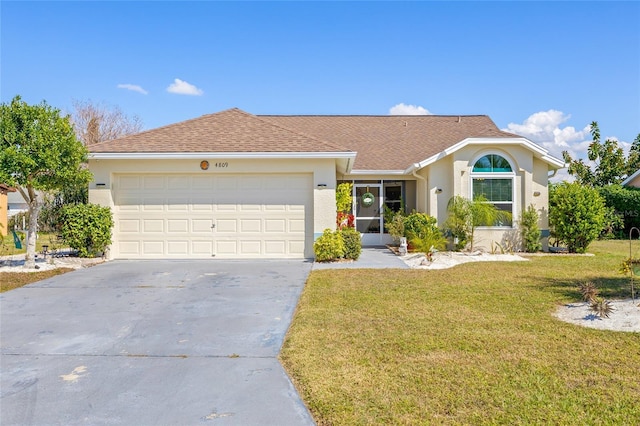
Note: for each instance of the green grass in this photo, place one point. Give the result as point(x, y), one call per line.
point(7, 246)
point(475, 344)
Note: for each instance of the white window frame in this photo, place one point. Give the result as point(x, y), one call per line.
point(496, 175)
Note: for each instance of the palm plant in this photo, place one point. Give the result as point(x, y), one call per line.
point(601, 307)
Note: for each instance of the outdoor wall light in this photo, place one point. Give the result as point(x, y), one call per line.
point(438, 190)
point(536, 193)
point(101, 184)
point(322, 185)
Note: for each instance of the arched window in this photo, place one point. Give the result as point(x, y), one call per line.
point(492, 177)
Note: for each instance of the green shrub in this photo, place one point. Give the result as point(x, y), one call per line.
point(329, 246)
point(625, 203)
point(459, 223)
point(352, 243)
point(529, 230)
point(87, 228)
point(395, 226)
point(577, 215)
point(418, 225)
point(344, 198)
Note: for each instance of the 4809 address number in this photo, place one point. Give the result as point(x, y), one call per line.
point(222, 165)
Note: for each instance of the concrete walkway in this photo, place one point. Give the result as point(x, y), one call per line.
point(152, 343)
point(370, 258)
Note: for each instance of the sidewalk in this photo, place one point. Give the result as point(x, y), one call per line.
point(370, 258)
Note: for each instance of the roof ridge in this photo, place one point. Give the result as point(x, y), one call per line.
point(375, 115)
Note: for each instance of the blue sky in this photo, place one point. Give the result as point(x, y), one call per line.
point(542, 69)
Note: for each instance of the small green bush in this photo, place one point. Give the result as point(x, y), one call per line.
point(529, 230)
point(329, 246)
point(395, 226)
point(577, 215)
point(418, 224)
point(87, 228)
point(352, 243)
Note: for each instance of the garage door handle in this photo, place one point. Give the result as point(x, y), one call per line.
point(213, 226)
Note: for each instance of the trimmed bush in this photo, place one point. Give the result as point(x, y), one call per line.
point(577, 215)
point(352, 243)
point(87, 228)
point(529, 230)
point(329, 246)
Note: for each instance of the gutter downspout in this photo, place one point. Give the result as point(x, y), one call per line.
point(415, 174)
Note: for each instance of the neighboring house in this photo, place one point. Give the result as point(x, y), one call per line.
point(4, 207)
point(237, 185)
point(633, 180)
point(16, 204)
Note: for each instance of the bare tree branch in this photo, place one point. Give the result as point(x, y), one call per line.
point(99, 122)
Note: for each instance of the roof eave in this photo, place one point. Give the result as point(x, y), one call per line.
point(539, 151)
point(200, 155)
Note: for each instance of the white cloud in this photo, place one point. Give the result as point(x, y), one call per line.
point(402, 109)
point(133, 87)
point(181, 87)
point(544, 128)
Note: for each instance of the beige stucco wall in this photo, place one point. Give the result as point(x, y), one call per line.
point(452, 175)
point(3, 214)
point(635, 182)
point(323, 214)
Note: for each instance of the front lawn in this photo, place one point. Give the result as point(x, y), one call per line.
point(475, 344)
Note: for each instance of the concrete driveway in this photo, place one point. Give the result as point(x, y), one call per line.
point(152, 343)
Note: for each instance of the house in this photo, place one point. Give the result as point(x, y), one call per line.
point(632, 180)
point(237, 185)
point(4, 208)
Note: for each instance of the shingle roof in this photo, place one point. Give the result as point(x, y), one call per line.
point(231, 130)
point(393, 142)
point(388, 142)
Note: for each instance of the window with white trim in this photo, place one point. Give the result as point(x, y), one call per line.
point(492, 177)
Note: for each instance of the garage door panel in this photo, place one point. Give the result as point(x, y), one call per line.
point(172, 216)
point(129, 225)
point(177, 226)
point(226, 248)
point(153, 248)
point(276, 248)
point(204, 248)
point(226, 225)
point(153, 182)
point(180, 247)
point(201, 225)
point(178, 205)
point(275, 225)
point(178, 182)
point(250, 247)
point(250, 225)
point(152, 204)
point(153, 225)
point(129, 248)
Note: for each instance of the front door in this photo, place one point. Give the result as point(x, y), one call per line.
point(368, 212)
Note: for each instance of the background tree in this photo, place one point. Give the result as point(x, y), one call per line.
point(98, 122)
point(611, 167)
point(39, 152)
point(633, 160)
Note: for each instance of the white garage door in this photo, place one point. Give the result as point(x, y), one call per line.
point(200, 216)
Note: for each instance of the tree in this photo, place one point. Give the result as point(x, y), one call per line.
point(39, 153)
point(577, 215)
point(610, 164)
point(98, 122)
point(633, 160)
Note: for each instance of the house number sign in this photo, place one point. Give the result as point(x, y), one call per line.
point(204, 165)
